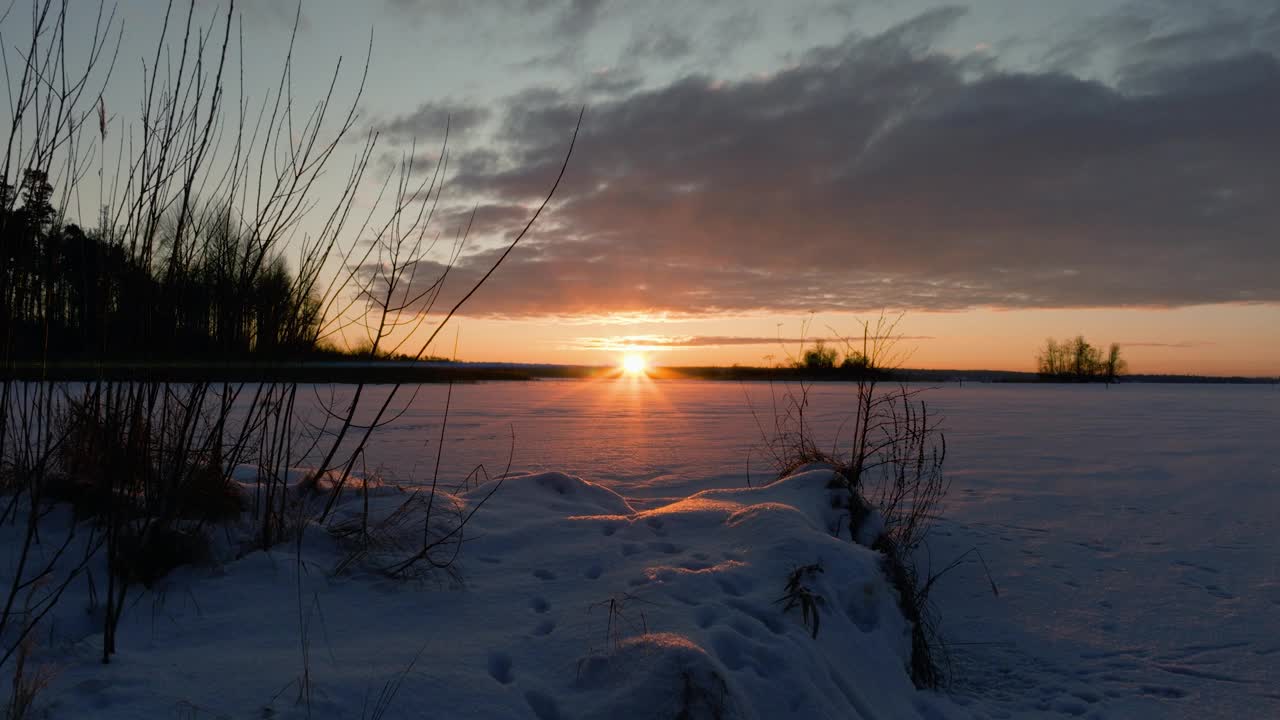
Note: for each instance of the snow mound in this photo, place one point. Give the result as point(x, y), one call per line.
point(684, 608)
point(555, 492)
point(813, 497)
point(565, 603)
point(303, 480)
point(663, 673)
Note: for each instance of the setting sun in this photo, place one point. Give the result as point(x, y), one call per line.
point(633, 364)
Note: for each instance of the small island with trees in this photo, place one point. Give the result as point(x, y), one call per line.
point(1075, 360)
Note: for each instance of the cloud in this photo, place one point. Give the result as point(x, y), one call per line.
point(1139, 36)
point(1183, 345)
point(429, 120)
point(561, 25)
point(612, 82)
point(660, 41)
point(732, 31)
point(258, 12)
point(578, 17)
point(672, 342)
point(877, 172)
point(455, 8)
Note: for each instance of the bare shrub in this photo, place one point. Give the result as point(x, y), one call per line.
point(210, 229)
point(28, 681)
point(890, 466)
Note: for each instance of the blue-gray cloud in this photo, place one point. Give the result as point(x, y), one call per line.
point(429, 120)
point(879, 171)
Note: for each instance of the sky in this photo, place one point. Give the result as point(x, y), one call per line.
point(749, 175)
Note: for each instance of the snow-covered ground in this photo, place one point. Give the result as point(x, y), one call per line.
point(568, 604)
point(1130, 531)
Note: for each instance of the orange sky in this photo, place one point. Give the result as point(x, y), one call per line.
point(1204, 340)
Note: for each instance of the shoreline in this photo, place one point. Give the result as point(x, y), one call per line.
point(400, 371)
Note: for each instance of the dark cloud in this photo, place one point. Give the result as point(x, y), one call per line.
point(878, 172)
point(429, 120)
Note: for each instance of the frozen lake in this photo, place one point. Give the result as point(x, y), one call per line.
point(1131, 530)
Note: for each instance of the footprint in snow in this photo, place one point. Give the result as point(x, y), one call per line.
point(1163, 691)
point(500, 667)
point(736, 587)
point(1219, 593)
point(544, 706)
point(705, 617)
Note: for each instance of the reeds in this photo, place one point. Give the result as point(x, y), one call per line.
point(214, 237)
point(888, 457)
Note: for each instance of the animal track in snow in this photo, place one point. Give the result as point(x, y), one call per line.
point(734, 587)
point(1163, 691)
point(705, 616)
point(863, 609)
point(1195, 566)
point(500, 667)
point(1219, 593)
point(544, 706)
point(765, 616)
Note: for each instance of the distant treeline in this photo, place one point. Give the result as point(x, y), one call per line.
point(324, 367)
point(67, 292)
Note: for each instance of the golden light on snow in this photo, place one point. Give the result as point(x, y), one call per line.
point(634, 364)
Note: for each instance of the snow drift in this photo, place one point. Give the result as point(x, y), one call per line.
point(566, 603)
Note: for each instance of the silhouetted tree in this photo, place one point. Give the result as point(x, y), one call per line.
point(819, 357)
point(855, 361)
point(210, 295)
point(1114, 366)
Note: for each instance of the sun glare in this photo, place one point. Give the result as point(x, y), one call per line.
point(633, 364)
